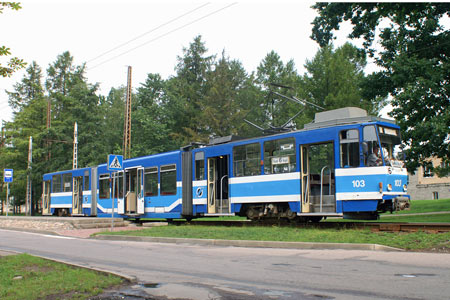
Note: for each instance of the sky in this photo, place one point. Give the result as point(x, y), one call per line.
point(109, 35)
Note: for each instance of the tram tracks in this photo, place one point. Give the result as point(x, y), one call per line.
point(373, 226)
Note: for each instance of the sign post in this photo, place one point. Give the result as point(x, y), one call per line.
point(115, 163)
point(7, 178)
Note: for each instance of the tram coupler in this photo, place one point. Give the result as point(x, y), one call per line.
point(401, 203)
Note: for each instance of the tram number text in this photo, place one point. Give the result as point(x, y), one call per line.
point(398, 182)
point(359, 183)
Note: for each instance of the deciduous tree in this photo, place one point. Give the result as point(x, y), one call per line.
point(413, 54)
point(14, 63)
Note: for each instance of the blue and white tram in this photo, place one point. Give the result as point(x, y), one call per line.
point(69, 192)
point(329, 168)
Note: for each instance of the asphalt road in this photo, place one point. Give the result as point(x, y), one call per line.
point(211, 272)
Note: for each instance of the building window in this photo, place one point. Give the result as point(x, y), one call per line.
point(349, 140)
point(435, 195)
point(428, 169)
point(104, 186)
point(247, 160)
point(56, 183)
point(151, 181)
point(200, 166)
point(279, 156)
point(169, 180)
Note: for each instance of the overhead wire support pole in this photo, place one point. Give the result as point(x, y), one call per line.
point(75, 147)
point(127, 119)
point(29, 186)
point(49, 124)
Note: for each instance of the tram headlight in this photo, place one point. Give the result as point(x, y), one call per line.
point(389, 187)
point(405, 188)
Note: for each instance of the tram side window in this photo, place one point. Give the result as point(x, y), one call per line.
point(118, 190)
point(370, 142)
point(67, 182)
point(168, 180)
point(349, 141)
point(279, 156)
point(56, 183)
point(247, 160)
point(86, 184)
point(151, 181)
point(104, 186)
point(200, 166)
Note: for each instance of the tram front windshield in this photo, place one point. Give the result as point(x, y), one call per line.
point(390, 145)
point(389, 139)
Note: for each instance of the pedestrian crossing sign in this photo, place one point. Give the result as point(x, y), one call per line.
point(115, 162)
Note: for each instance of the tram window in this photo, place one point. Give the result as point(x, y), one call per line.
point(118, 190)
point(151, 181)
point(86, 186)
point(279, 156)
point(200, 166)
point(67, 182)
point(104, 186)
point(168, 180)
point(349, 140)
point(370, 141)
point(56, 184)
point(247, 160)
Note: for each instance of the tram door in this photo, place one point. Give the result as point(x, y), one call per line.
point(140, 191)
point(305, 179)
point(212, 175)
point(134, 191)
point(218, 201)
point(318, 178)
point(46, 192)
point(77, 195)
point(118, 191)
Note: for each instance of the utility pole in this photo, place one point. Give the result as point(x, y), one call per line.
point(29, 199)
point(127, 121)
point(49, 117)
point(75, 147)
point(2, 144)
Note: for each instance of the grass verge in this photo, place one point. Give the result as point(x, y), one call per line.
point(409, 241)
point(433, 218)
point(425, 206)
point(27, 277)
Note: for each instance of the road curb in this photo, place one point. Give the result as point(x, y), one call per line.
point(31, 230)
point(130, 279)
point(230, 243)
point(250, 244)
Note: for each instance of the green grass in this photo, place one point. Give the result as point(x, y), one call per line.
point(425, 206)
point(432, 218)
point(41, 278)
point(409, 241)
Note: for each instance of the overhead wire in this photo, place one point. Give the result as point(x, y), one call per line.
point(164, 34)
point(147, 32)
